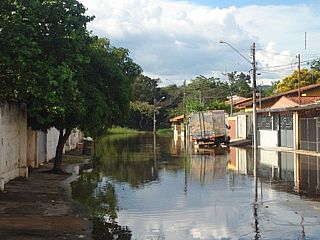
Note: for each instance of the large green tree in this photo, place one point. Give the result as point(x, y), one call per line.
point(145, 89)
point(238, 83)
point(67, 78)
point(307, 77)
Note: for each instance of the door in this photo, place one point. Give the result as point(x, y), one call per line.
point(286, 131)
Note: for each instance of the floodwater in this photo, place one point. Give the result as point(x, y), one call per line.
point(146, 188)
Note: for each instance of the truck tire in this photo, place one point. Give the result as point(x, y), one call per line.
point(227, 140)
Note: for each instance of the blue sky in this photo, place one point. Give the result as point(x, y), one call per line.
point(178, 40)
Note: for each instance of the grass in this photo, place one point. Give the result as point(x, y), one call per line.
point(129, 131)
point(121, 130)
point(165, 131)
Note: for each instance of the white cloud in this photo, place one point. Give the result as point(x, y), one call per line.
point(179, 40)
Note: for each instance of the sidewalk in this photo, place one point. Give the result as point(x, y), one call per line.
point(40, 207)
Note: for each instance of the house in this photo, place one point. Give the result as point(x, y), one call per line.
point(292, 122)
point(177, 124)
point(267, 102)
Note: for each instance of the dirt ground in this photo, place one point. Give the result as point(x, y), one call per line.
point(40, 207)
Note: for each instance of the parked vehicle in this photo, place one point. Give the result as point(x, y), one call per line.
point(208, 128)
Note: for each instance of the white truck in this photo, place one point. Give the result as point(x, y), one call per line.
point(208, 128)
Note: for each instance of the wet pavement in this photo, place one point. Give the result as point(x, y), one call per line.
point(40, 207)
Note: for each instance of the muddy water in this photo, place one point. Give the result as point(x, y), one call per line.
point(146, 188)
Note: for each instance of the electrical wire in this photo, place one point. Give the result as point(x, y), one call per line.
point(287, 65)
point(276, 54)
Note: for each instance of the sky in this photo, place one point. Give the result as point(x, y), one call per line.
point(177, 40)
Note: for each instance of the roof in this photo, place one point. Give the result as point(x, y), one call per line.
point(177, 118)
point(305, 100)
point(238, 100)
point(294, 108)
point(286, 103)
point(279, 95)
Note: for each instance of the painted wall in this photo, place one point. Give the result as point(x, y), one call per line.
point(241, 126)
point(42, 146)
point(75, 137)
point(268, 138)
point(52, 142)
point(232, 122)
point(13, 142)
point(32, 144)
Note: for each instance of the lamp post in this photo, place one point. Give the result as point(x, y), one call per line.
point(254, 109)
point(155, 102)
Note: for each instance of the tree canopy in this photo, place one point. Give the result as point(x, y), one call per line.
point(67, 77)
point(307, 77)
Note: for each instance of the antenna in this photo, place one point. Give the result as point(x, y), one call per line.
point(305, 40)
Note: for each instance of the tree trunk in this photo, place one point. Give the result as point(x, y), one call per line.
point(59, 151)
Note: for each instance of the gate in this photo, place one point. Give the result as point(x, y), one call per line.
point(286, 131)
point(309, 129)
point(241, 126)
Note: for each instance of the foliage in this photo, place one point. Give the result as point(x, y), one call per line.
point(207, 89)
point(107, 87)
point(145, 89)
point(193, 105)
point(270, 90)
point(307, 77)
point(142, 113)
point(239, 84)
point(315, 65)
point(218, 105)
point(67, 78)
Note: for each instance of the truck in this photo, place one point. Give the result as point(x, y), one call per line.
point(208, 128)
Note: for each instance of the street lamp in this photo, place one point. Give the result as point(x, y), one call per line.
point(254, 88)
point(155, 102)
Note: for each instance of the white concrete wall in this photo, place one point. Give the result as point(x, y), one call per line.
point(13, 141)
point(241, 126)
point(32, 153)
point(75, 137)
point(52, 142)
point(268, 138)
point(19, 144)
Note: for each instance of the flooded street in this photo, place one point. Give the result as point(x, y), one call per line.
point(141, 190)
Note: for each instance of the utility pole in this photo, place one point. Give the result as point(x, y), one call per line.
point(154, 116)
point(155, 103)
point(184, 97)
point(254, 114)
point(254, 95)
point(231, 94)
point(299, 93)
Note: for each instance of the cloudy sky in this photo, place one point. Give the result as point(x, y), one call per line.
point(175, 40)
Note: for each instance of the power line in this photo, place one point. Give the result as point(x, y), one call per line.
point(286, 65)
point(277, 54)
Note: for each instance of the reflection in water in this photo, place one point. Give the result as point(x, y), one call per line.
point(157, 188)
